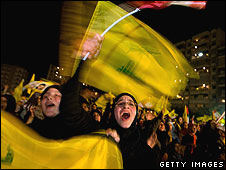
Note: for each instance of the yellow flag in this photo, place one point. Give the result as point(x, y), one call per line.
point(18, 91)
point(23, 148)
point(172, 114)
point(32, 79)
point(160, 104)
point(104, 99)
point(134, 58)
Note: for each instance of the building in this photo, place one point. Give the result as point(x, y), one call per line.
point(55, 74)
point(12, 76)
point(206, 54)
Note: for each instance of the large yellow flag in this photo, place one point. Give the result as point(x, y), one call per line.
point(23, 148)
point(134, 58)
point(18, 91)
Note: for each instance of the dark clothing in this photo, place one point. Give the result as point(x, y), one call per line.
point(72, 119)
point(151, 126)
point(164, 140)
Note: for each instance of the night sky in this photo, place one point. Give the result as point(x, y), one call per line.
point(30, 30)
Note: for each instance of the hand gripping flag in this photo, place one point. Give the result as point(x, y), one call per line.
point(134, 58)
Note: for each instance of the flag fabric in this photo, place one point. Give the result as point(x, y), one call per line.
point(204, 118)
point(173, 115)
point(104, 99)
point(23, 148)
point(73, 26)
point(18, 91)
point(134, 58)
point(164, 4)
point(160, 104)
point(186, 114)
point(32, 79)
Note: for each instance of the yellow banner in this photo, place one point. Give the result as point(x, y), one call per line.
point(23, 148)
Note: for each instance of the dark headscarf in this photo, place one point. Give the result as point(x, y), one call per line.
point(53, 86)
point(11, 103)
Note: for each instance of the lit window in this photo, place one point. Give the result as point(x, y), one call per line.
point(200, 54)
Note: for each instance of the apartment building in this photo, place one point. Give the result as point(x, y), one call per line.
point(12, 75)
point(55, 74)
point(206, 54)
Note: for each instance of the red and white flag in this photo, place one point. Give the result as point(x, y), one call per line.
point(164, 4)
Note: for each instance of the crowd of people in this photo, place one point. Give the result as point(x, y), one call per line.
point(145, 138)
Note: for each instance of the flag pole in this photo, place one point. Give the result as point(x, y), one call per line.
point(220, 117)
point(112, 25)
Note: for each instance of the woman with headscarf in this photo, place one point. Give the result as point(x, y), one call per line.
point(64, 116)
point(8, 103)
point(137, 152)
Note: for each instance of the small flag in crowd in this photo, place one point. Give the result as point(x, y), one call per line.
point(186, 114)
point(18, 91)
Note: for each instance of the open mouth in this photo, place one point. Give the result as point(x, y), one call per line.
point(125, 116)
point(50, 105)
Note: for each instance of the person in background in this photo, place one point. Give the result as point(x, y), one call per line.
point(87, 96)
point(8, 103)
point(97, 115)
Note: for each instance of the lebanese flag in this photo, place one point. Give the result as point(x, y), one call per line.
point(164, 4)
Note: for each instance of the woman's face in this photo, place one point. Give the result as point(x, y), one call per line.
point(125, 111)
point(50, 102)
point(162, 127)
point(3, 103)
point(96, 116)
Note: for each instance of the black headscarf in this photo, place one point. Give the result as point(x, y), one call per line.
point(59, 88)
